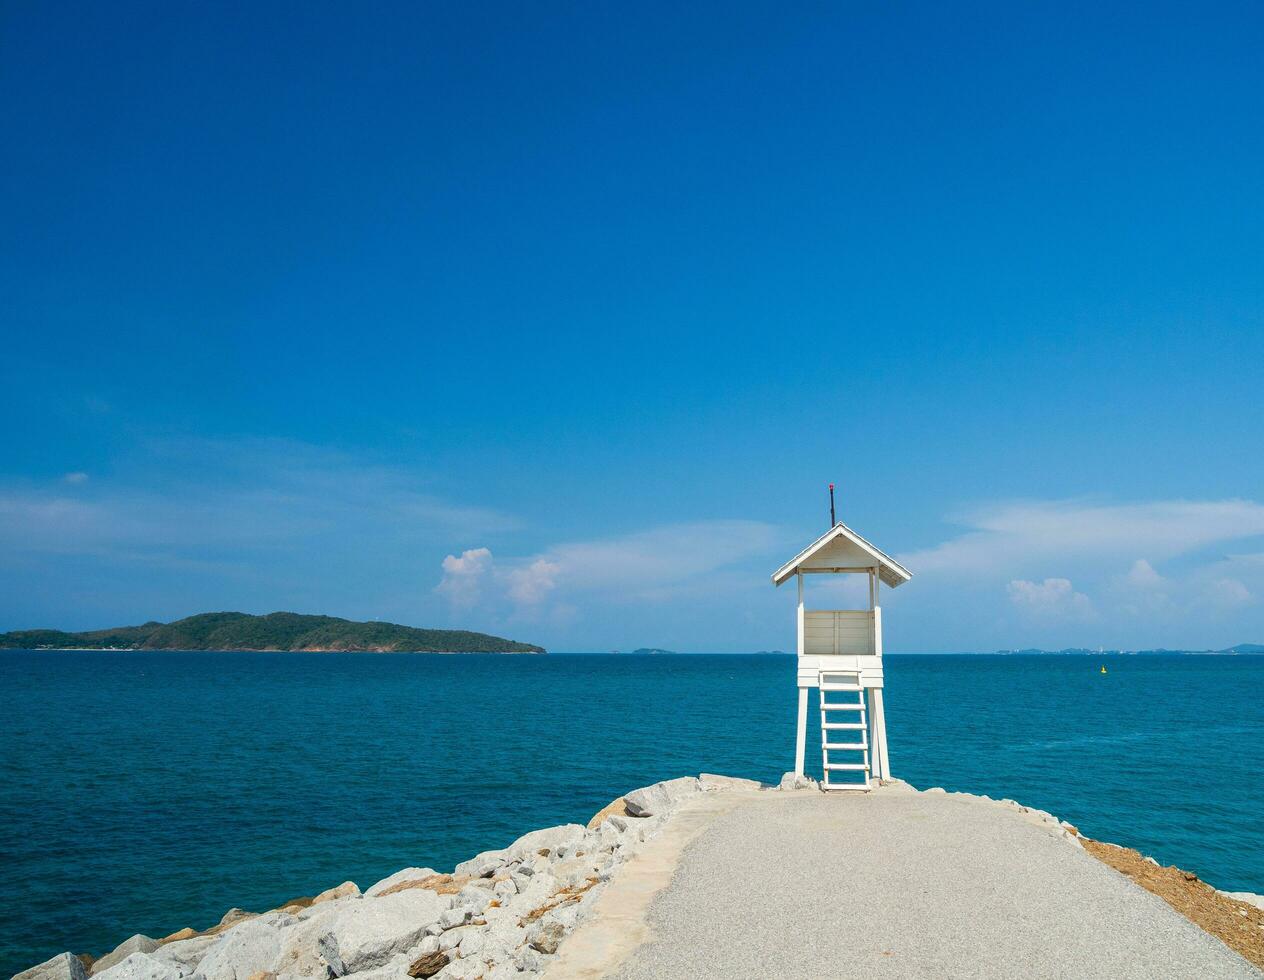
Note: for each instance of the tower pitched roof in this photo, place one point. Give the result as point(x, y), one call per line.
point(842, 548)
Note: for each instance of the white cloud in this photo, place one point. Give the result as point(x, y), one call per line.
point(531, 585)
point(1228, 593)
point(1030, 532)
point(1054, 597)
point(652, 566)
point(663, 557)
point(1143, 576)
point(1142, 590)
point(76, 477)
point(462, 582)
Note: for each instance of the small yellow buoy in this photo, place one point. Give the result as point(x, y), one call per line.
point(1103, 668)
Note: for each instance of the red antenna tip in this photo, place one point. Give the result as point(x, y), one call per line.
point(831, 486)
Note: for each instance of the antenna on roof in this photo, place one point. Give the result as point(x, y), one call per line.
point(833, 520)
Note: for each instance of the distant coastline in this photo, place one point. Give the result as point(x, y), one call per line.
point(279, 632)
point(1240, 649)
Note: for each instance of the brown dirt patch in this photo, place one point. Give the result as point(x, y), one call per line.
point(442, 884)
point(304, 902)
point(177, 936)
point(615, 808)
point(567, 896)
point(1238, 925)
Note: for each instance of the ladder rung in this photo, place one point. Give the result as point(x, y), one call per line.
point(845, 746)
point(851, 726)
point(842, 707)
point(841, 687)
point(856, 786)
point(847, 766)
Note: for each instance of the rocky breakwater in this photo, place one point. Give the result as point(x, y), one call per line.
point(502, 914)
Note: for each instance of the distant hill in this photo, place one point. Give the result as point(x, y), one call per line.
point(284, 631)
point(1248, 648)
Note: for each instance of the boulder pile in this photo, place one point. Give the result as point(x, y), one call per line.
point(500, 915)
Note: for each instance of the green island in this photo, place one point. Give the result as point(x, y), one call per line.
point(279, 631)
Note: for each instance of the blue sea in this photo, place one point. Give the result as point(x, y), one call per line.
point(144, 792)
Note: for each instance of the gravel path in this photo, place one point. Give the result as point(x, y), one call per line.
point(904, 884)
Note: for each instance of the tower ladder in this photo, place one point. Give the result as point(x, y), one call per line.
point(844, 729)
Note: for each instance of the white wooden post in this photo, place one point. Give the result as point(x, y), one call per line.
point(878, 722)
point(801, 733)
point(801, 730)
point(799, 620)
point(877, 719)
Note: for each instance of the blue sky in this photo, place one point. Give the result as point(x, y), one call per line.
point(555, 321)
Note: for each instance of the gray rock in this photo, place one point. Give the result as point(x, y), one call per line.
point(790, 781)
point(324, 908)
point(370, 933)
point(348, 889)
point(661, 797)
point(142, 966)
point(452, 918)
point(541, 888)
point(398, 878)
point(611, 834)
point(235, 915)
point(531, 959)
point(329, 953)
point(567, 915)
point(474, 898)
point(549, 839)
point(63, 966)
point(547, 934)
point(471, 969)
point(483, 865)
point(395, 969)
point(576, 871)
point(364, 934)
point(526, 849)
point(247, 948)
point(590, 897)
point(453, 938)
point(186, 954)
point(472, 943)
point(136, 944)
point(710, 781)
point(506, 933)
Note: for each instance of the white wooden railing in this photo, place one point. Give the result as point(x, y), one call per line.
point(842, 632)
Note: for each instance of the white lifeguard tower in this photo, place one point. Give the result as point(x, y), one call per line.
point(840, 654)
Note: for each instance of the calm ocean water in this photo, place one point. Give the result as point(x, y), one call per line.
point(143, 792)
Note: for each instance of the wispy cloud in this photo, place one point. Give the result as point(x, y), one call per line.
point(250, 496)
point(1073, 571)
point(1001, 536)
point(650, 566)
point(1054, 598)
